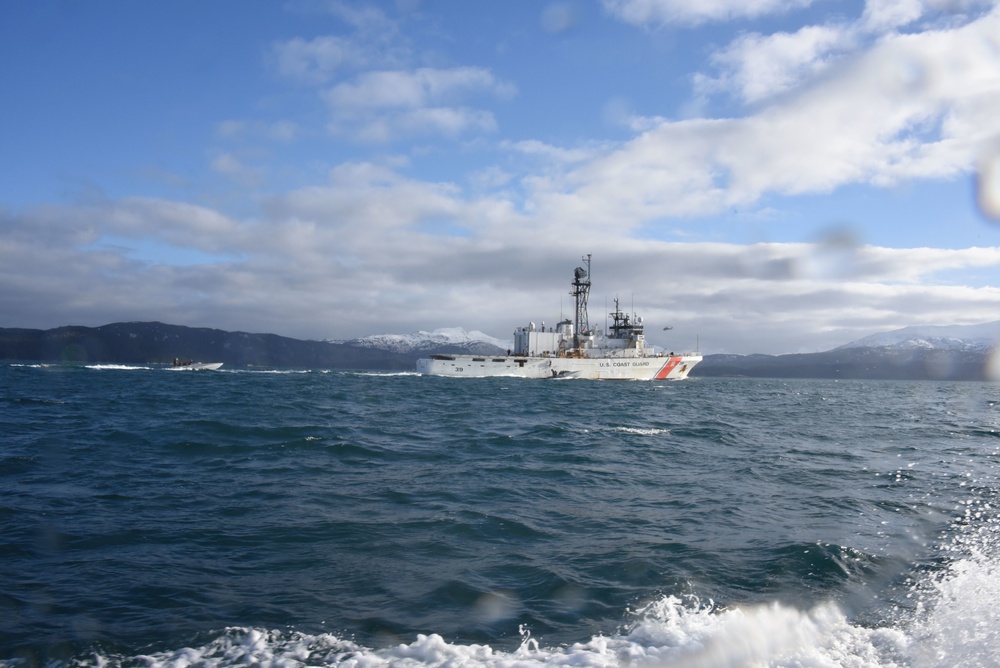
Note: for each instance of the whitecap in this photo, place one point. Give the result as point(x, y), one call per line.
point(641, 431)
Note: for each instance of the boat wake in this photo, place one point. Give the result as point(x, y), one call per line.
point(385, 374)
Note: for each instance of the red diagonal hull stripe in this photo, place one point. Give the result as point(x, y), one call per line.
point(667, 367)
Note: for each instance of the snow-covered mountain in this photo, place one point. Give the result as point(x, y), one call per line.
point(930, 337)
point(947, 352)
point(455, 337)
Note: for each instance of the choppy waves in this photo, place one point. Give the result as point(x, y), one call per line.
point(955, 622)
point(350, 519)
point(957, 625)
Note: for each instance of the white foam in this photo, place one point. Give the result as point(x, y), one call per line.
point(670, 633)
point(958, 620)
point(955, 621)
point(276, 372)
point(116, 367)
point(386, 374)
point(760, 635)
point(650, 431)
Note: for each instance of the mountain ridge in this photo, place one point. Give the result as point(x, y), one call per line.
point(160, 343)
point(942, 337)
point(954, 352)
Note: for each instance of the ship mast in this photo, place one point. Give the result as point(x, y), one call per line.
point(581, 291)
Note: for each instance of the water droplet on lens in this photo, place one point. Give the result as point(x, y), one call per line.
point(988, 184)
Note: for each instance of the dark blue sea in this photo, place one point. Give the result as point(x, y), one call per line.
point(310, 518)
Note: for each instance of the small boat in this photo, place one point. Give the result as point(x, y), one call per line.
point(178, 365)
point(572, 349)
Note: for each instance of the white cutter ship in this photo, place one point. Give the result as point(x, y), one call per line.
point(572, 350)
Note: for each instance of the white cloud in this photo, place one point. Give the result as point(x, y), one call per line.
point(490, 178)
point(756, 67)
point(885, 15)
point(913, 106)
point(662, 12)
point(371, 41)
point(364, 17)
point(410, 89)
point(533, 147)
point(176, 223)
point(319, 59)
point(443, 121)
point(373, 251)
point(362, 198)
point(230, 166)
point(380, 106)
point(888, 14)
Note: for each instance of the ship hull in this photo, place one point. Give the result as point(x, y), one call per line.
point(674, 367)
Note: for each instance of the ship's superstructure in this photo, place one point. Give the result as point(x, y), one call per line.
point(572, 349)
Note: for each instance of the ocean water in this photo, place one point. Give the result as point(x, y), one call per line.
point(275, 518)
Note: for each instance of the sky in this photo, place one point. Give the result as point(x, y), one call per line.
point(760, 176)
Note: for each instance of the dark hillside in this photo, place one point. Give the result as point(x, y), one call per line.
point(884, 363)
point(155, 342)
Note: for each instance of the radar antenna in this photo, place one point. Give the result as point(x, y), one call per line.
point(581, 292)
